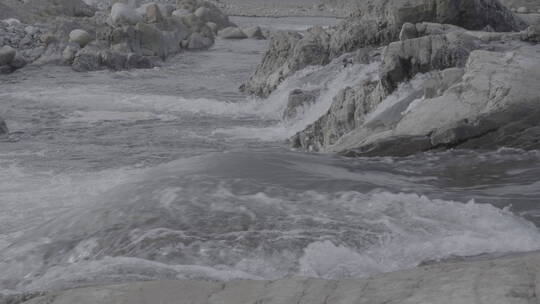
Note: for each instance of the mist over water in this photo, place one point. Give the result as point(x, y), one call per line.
point(171, 173)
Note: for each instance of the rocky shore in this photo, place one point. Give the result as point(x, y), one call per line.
point(115, 35)
point(474, 65)
point(511, 279)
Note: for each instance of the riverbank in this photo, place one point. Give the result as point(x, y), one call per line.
point(511, 279)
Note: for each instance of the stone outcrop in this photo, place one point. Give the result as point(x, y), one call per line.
point(373, 23)
point(491, 102)
point(508, 280)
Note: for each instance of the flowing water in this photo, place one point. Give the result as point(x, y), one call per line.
point(171, 173)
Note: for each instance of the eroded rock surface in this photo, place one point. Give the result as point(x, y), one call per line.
point(508, 280)
point(374, 23)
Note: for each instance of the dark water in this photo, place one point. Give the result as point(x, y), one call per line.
point(171, 173)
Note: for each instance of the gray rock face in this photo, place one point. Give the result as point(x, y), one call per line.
point(494, 104)
point(506, 280)
point(404, 59)
point(298, 99)
point(289, 52)
point(376, 23)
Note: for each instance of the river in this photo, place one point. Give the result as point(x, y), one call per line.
point(172, 173)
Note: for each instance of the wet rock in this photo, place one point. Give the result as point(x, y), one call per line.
point(68, 54)
point(212, 26)
point(87, 59)
point(402, 60)
point(531, 34)
point(180, 13)
point(153, 14)
point(198, 42)
point(408, 31)
point(299, 99)
point(80, 37)
point(122, 14)
point(7, 54)
point(232, 33)
point(493, 105)
point(254, 32)
point(18, 62)
point(508, 279)
point(378, 23)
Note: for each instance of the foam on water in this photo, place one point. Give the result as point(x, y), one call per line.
point(329, 80)
point(186, 219)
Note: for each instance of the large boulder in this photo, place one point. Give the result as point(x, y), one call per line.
point(80, 37)
point(289, 52)
point(377, 23)
point(404, 59)
point(7, 54)
point(123, 14)
point(495, 104)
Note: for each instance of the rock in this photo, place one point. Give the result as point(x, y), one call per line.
point(87, 59)
point(408, 31)
point(113, 60)
point(522, 10)
point(180, 13)
point(531, 34)
point(510, 279)
point(18, 62)
point(232, 33)
point(153, 14)
point(7, 54)
point(80, 37)
point(289, 52)
point(254, 32)
point(212, 13)
point(203, 13)
point(122, 14)
point(3, 127)
point(151, 40)
point(402, 60)
point(348, 111)
point(48, 38)
point(134, 61)
point(69, 52)
point(495, 104)
point(212, 26)
point(12, 21)
point(378, 23)
point(299, 99)
point(198, 42)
